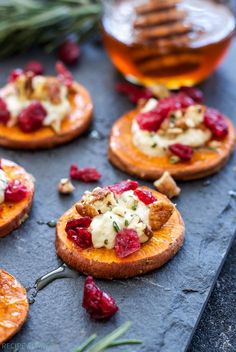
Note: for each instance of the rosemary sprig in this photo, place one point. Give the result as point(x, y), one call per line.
point(24, 23)
point(108, 341)
point(86, 343)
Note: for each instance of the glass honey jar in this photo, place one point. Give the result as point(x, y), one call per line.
point(171, 42)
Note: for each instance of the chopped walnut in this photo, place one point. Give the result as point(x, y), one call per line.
point(102, 199)
point(65, 186)
point(159, 214)
point(24, 86)
point(167, 185)
point(85, 209)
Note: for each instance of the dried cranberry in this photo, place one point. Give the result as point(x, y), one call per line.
point(81, 222)
point(193, 93)
point(81, 237)
point(123, 186)
point(64, 75)
point(34, 66)
point(184, 152)
point(4, 113)
point(31, 118)
point(133, 92)
point(145, 196)
point(14, 75)
point(86, 174)
point(69, 52)
point(126, 243)
point(150, 121)
point(215, 121)
point(99, 304)
point(15, 191)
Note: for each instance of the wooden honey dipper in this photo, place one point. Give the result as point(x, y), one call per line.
point(161, 19)
point(161, 27)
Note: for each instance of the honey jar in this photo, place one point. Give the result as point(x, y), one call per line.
point(171, 42)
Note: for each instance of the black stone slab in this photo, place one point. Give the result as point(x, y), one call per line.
point(164, 306)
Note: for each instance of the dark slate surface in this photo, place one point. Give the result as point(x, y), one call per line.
point(164, 306)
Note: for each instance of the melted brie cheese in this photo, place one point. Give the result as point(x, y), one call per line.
point(127, 212)
point(55, 112)
point(3, 185)
point(155, 144)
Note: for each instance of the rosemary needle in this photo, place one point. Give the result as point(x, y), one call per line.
point(86, 343)
point(110, 338)
point(125, 342)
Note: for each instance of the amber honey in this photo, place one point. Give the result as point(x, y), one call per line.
point(171, 42)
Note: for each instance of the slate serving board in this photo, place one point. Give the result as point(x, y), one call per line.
point(164, 306)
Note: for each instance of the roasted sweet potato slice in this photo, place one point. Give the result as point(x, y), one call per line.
point(127, 157)
point(14, 306)
point(104, 263)
point(72, 126)
point(13, 214)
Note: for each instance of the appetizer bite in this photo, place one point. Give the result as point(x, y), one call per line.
point(119, 231)
point(178, 134)
point(39, 111)
point(14, 306)
point(16, 196)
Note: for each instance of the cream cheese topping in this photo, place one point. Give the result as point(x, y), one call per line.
point(55, 112)
point(117, 212)
point(3, 185)
point(157, 143)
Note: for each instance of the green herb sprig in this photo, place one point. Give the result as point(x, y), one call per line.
point(24, 23)
point(108, 341)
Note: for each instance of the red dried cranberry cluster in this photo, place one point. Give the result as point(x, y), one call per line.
point(99, 304)
point(34, 66)
point(152, 120)
point(69, 52)
point(4, 113)
point(15, 191)
point(133, 92)
point(63, 74)
point(193, 93)
point(145, 196)
point(31, 118)
point(77, 232)
point(87, 174)
point(126, 243)
point(123, 186)
point(184, 152)
point(17, 72)
point(215, 121)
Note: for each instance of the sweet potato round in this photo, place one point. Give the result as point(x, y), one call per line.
point(14, 306)
point(13, 214)
point(103, 263)
point(127, 157)
point(72, 126)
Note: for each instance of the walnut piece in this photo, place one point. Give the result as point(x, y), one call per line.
point(85, 209)
point(167, 185)
point(65, 186)
point(159, 214)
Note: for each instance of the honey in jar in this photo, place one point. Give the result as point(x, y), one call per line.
point(169, 42)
